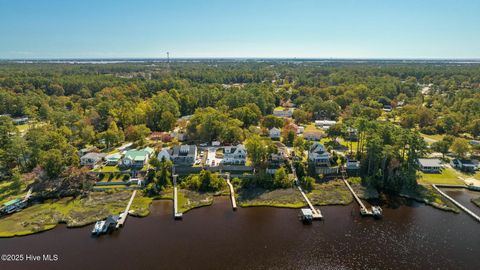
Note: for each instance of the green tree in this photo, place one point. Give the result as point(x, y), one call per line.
point(256, 149)
point(271, 121)
point(52, 162)
point(460, 147)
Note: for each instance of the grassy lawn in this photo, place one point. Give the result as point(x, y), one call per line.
point(429, 139)
point(312, 127)
point(426, 194)
point(188, 200)
point(107, 169)
point(332, 192)
point(447, 177)
point(289, 198)
point(73, 211)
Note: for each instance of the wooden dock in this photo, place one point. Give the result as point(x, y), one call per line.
point(122, 219)
point(176, 214)
point(316, 214)
point(28, 195)
point(232, 194)
point(232, 190)
point(363, 209)
point(475, 216)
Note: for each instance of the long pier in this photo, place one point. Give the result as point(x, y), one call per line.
point(363, 209)
point(176, 214)
point(316, 213)
point(232, 194)
point(122, 219)
point(475, 216)
point(28, 195)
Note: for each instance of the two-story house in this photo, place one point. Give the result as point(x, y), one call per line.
point(235, 155)
point(183, 155)
point(320, 159)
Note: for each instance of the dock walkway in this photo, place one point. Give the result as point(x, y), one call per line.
point(232, 194)
point(122, 219)
point(475, 216)
point(363, 209)
point(316, 213)
point(176, 214)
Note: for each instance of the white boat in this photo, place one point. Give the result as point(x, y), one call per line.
point(377, 211)
point(99, 227)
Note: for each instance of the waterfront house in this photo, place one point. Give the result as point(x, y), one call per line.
point(113, 159)
point(325, 124)
point(278, 159)
point(430, 165)
point(184, 155)
point(465, 165)
point(136, 159)
point(90, 159)
point(320, 159)
point(235, 155)
point(12, 206)
point(283, 112)
point(274, 133)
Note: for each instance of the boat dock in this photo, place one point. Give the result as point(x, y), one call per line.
point(475, 216)
point(315, 212)
point(124, 215)
point(364, 211)
point(28, 195)
point(232, 190)
point(176, 214)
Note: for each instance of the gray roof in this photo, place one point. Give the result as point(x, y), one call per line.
point(184, 150)
point(430, 162)
point(93, 155)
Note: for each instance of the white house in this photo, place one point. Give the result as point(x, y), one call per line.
point(325, 124)
point(90, 159)
point(235, 155)
point(464, 165)
point(318, 155)
point(274, 133)
point(430, 165)
point(164, 154)
point(320, 159)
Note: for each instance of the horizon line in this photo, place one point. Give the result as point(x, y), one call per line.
point(239, 58)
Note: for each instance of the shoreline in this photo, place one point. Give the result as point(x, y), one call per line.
point(282, 198)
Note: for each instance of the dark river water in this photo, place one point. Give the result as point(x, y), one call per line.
point(410, 236)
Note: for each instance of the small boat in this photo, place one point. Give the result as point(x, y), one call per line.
point(99, 227)
point(306, 216)
point(377, 211)
point(106, 226)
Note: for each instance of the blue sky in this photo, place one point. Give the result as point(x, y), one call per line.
point(242, 28)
